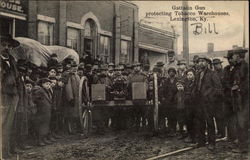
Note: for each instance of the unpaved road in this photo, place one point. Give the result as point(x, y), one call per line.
point(124, 145)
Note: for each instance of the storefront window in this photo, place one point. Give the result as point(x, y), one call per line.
point(125, 48)
point(105, 49)
point(45, 33)
point(73, 39)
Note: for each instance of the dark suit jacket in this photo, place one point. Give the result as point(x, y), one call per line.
point(211, 87)
point(9, 76)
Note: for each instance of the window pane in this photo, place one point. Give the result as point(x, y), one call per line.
point(87, 30)
point(125, 46)
point(73, 38)
point(105, 49)
point(45, 33)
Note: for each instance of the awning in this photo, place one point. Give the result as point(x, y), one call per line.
point(13, 14)
point(153, 48)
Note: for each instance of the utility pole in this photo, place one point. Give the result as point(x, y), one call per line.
point(244, 25)
point(185, 32)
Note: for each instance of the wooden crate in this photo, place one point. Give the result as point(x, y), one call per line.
point(139, 91)
point(98, 92)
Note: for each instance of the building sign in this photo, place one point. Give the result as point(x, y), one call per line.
point(12, 5)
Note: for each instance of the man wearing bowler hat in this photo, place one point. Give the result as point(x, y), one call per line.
point(9, 91)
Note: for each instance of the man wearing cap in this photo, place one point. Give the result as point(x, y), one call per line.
point(240, 91)
point(181, 76)
point(137, 76)
point(72, 99)
point(101, 116)
point(196, 64)
point(208, 88)
point(9, 90)
point(120, 91)
point(171, 61)
point(169, 102)
point(219, 113)
point(53, 61)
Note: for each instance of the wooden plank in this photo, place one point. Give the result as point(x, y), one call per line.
point(155, 102)
point(179, 151)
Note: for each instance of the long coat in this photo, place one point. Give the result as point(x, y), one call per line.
point(9, 96)
point(209, 86)
point(170, 92)
point(43, 101)
point(71, 96)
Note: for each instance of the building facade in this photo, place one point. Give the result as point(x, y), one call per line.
point(155, 43)
point(106, 29)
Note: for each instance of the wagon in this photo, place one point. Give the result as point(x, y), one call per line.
point(99, 100)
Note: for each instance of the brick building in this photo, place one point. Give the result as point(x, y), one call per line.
point(154, 43)
point(106, 29)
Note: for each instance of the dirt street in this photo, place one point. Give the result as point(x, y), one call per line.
point(124, 145)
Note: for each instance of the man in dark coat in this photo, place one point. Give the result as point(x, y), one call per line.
point(208, 89)
point(240, 92)
point(9, 91)
point(137, 76)
point(220, 111)
point(181, 76)
point(190, 105)
point(169, 106)
point(21, 118)
point(230, 117)
point(42, 98)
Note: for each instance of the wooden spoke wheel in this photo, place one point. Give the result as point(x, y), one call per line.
point(85, 113)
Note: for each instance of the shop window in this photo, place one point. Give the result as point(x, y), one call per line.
point(73, 39)
point(125, 48)
point(45, 33)
point(105, 49)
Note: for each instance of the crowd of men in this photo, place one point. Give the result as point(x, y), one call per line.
point(43, 102)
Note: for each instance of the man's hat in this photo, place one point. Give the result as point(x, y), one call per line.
point(180, 82)
point(88, 66)
point(217, 61)
point(22, 64)
point(171, 53)
point(205, 57)
point(160, 64)
point(28, 81)
point(95, 67)
point(240, 51)
point(52, 67)
point(136, 64)
point(52, 78)
point(8, 38)
point(59, 66)
point(111, 64)
point(31, 65)
point(172, 69)
point(156, 69)
point(119, 67)
point(73, 64)
point(129, 66)
point(195, 58)
point(43, 80)
point(81, 66)
point(190, 70)
point(182, 61)
point(104, 67)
